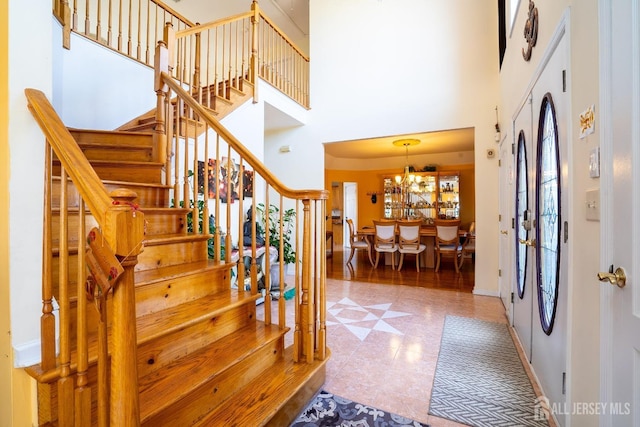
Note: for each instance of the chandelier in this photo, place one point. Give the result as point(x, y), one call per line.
point(408, 178)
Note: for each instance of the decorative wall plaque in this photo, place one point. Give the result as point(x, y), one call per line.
point(530, 31)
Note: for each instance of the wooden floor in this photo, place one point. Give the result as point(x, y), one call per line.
point(361, 270)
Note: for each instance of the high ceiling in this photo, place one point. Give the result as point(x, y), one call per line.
point(445, 141)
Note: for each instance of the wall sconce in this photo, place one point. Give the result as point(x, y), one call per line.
point(374, 196)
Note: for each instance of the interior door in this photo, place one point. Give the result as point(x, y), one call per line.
point(350, 191)
point(551, 122)
point(523, 226)
point(620, 201)
point(507, 276)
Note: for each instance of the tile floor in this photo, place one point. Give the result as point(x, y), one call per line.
point(384, 341)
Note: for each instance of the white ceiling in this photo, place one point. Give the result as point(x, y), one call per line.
point(444, 141)
point(297, 11)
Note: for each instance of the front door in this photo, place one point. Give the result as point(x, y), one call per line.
point(506, 275)
point(620, 212)
point(522, 235)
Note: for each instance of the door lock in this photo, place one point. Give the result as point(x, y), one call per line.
point(531, 242)
point(618, 277)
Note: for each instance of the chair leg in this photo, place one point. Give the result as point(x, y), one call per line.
point(377, 259)
point(401, 260)
point(370, 258)
point(418, 262)
point(455, 262)
point(437, 261)
point(353, 250)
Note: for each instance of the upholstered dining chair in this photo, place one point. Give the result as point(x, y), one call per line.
point(357, 242)
point(409, 240)
point(469, 245)
point(384, 240)
point(447, 241)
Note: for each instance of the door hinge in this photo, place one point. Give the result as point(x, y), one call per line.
point(499, 272)
point(499, 162)
point(566, 231)
point(511, 297)
point(513, 148)
point(499, 217)
point(564, 80)
point(564, 383)
point(513, 223)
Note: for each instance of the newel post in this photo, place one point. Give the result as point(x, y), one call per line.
point(161, 64)
point(255, 24)
point(124, 231)
point(307, 294)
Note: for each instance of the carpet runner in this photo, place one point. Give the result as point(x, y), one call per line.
point(479, 379)
point(329, 410)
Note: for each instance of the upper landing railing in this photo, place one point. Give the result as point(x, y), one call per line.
point(221, 54)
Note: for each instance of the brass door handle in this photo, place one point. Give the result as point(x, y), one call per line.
point(504, 232)
point(618, 278)
point(531, 242)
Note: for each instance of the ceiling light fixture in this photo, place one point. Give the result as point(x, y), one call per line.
point(408, 178)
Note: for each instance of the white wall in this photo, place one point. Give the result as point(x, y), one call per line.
point(30, 56)
point(97, 88)
point(399, 67)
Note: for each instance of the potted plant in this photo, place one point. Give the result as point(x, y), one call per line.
point(288, 221)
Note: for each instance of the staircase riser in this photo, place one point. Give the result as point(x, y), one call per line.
point(165, 255)
point(111, 138)
point(110, 153)
point(172, 292)
point(155, 224)
point(157, 354)
point(157, 197)
point(220, 389)
point(124, 172)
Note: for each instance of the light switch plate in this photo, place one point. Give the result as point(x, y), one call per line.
point(592, 205)
point(594, 163)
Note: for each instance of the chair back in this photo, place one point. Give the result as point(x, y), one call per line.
point(352, 232)
point(447, 231)
point(409, 233)
point(385, 233)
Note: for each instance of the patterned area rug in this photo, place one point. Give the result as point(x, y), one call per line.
point(329, 410)
point(480, 380)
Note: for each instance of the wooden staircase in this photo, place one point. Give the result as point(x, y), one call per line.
point(202, 356)
point(219, 100)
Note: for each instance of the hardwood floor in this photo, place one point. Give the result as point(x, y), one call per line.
point(361, 270)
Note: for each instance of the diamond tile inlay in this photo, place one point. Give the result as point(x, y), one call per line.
point(357, 318)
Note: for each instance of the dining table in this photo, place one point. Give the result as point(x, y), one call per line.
point(427, 237)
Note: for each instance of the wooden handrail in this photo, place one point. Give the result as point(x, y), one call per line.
point(201, 27)
point(255, 163)
point(284, 36)
point(173, 12)
point(71, 157)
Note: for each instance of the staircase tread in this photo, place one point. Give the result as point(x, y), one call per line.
point(163, 239)
point(177, 379)
point(158, 324)
point(249, 407)
point(105, 131)
point(172, 271)
point(169, 320)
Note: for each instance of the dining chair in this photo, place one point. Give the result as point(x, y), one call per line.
point(409, 241)
point(357, 242)
point(384, 240)
point(447, 241)
point(469, 245)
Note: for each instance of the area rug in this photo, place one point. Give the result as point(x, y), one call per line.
point(479, 379)
point(329, 410)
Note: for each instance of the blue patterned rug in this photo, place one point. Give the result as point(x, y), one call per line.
point(480, 380)
point(329, 410)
